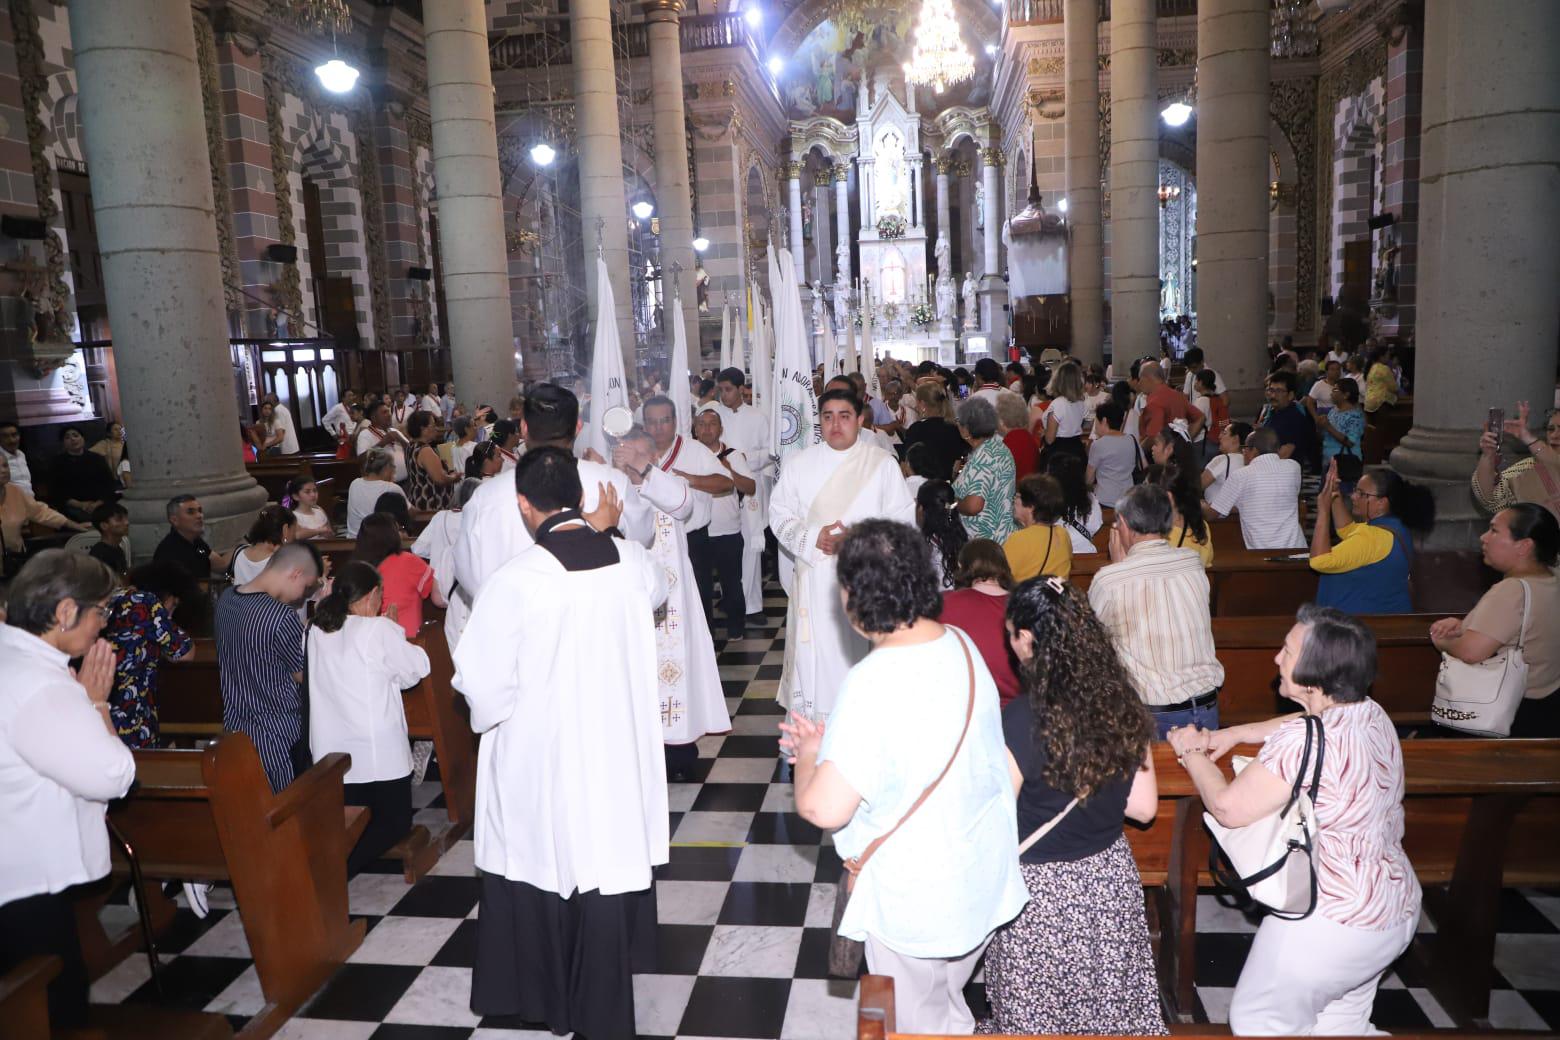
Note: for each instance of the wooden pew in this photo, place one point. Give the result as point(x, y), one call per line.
point(24, 999)
point(210, 816)
point(24, 1012)
point(1243, 583)
point(1406, 666)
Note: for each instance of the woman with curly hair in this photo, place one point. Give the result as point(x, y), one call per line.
point(1077, 960)
point(937, 516)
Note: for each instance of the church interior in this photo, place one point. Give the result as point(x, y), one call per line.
point(206, 202)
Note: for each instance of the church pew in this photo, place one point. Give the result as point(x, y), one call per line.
point(24, 998)
point(210, 816)
point(24, 1013)
point(1242, 583)
point(1406, 666)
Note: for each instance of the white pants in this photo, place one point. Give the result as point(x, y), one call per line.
point(928, 991)
point(1314, 977)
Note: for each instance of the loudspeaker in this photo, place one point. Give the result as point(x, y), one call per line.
point(277, 253)
point(1381, 220)
point(420, 274)
point(23, 227)
point(1327, 306)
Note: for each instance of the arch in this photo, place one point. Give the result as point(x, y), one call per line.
point(1357, 161)
point(827, 135)
point(65, 117)
point(1177, 230)
point(324, 152)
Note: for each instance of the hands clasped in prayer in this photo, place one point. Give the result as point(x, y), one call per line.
point(800, 737)
point(830, 537)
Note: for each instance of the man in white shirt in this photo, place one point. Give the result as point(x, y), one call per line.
point(1153, 600)
point(558, 666)
point(1194, 364)
point(340, 414)
point(284, 422)
point(11, 448)
point(746, 429)
point(491, 530)
point(821, 492)
point(430, 403)
point(718, 554)
point(677, 475)
point(379, 433)
point(989, 373)
point(1266, 491)
point(448, 402)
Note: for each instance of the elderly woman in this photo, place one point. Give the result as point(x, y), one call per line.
point(63, 764)
point(364, 491)
point(1078, 959)
point(986, 482)
point(1533, 479)
point(1042, 545)
point(1318, 975)
point(17, 510)
point(1013, 428)
point(1523, 544)
point(1367, 572)
point(920, 711)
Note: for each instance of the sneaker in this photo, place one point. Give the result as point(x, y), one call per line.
point(195, 893)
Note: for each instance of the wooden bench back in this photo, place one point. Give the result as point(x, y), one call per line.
point(1241, 583)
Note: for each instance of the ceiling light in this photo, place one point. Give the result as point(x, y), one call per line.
point(775, 65)
point(991, 49)
point(754, 16)
point(1061, 205)
point(542, 154)
point(700, 244)
point(643, 209)
point(1176, 113)
point(336, 76)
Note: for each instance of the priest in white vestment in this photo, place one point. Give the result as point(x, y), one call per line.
point(676, 475)
point(558, 664)
point(492, 533)
point(746, 429)
point(822, 492)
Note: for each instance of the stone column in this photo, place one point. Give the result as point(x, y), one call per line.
point(864, 192)
point(598, 138)
point(842, 225)
point(1085, 264)
point(993, 290)
point(793, 174)
point(471, 207)
point(944, 218)
point(674, 199)
point(1134, 180)
point(917, 205)
point(1232, 193)
point(140, 101)
point(1488, 220)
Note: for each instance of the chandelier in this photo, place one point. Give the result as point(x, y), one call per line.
point(1168, 193)
point(316, 16)
point(940, 57)
point(1292, 29)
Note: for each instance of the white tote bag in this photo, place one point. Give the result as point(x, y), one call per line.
point(1483, 698)
point(1270, 861)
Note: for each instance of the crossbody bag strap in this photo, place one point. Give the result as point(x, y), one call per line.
point(1047, 827)
point(855, 865)
point(1321, 750)
point(1527, 605)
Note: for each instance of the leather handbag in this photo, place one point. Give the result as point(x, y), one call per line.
point(845, 955)
point(1271, 861)
point(1483, 698)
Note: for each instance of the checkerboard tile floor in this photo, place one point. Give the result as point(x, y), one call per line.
point(744, 909)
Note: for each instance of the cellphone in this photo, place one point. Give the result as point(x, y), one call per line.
point(964, 391)
point(1497, 420)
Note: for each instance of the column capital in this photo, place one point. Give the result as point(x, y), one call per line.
point(944, 165)
point(991, 156)
point(793, 171)
point(842, 172)
point(663, 10)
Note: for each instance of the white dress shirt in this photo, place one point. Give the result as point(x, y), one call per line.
point(362, 493)
point(726, 510)
point(59, 768)
point(1189, 384)
point(368, 439)
point(1266, 491)
point(21, 476)
point(356, 676)
point(284, 421)
point(338, 416)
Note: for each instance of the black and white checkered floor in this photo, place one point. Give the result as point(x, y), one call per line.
point(744, 910)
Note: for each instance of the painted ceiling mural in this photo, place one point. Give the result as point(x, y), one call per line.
point(825, 75)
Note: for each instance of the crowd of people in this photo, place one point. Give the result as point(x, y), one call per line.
point(934, 639)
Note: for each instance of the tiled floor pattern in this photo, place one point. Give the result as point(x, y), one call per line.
point(744, 911)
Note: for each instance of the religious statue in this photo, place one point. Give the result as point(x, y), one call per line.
point(818, 316)
point(945, 303)
point(980, 206)
point(942, 252)
point(971, 311)
point(1386, 271)
point(807, 219)
point(889, 189)
point(701, 286)
point(842, 265)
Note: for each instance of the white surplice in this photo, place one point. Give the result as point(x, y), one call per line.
point(559, 668)
point(437, 545)
point(747, 430)
point(692, 700)
point(819, 487)
point(492, 533)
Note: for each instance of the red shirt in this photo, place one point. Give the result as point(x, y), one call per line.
point(1218, 416)
point(1026, 452)
point(1163, 406)
point(407, 582)
point(981, 618)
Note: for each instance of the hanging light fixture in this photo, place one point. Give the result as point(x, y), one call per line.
point(542, 153)
point(1168, 193)
point(335, 75)
point(940, 58)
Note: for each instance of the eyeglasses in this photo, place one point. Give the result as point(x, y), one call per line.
point(102, 611)
point(1367, 494)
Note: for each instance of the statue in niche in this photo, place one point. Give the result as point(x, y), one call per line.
point(889, 186)
point(1386, 270)
point(945, 299)
point(807, 218)
point(701, 286)
point(980, 206)
point(943, 254)
point(971, 311)
point(818, 317)
point(842, 266)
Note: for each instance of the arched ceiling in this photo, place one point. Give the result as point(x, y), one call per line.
point(793, 20)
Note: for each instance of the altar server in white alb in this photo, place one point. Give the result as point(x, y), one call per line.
point(822, 492)
point(571, 789)
point(746, 429)
point(677, 475)
point(491, 531)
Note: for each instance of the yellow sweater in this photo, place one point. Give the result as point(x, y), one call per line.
point(1039, 549)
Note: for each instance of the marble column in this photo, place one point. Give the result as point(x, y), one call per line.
point(864, 192)
point(944, 217)
point(1232, 193)
point(1489, 218)
point(1085, 252)
point(993, 290)
point(140, 102)
point(471, 200)
point(598, 140)
point(793, 175)
point(917, 196)
point(842, 225)
point(1134, 181)
point(674, 198)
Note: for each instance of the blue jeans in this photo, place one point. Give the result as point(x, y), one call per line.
point(1206, 716)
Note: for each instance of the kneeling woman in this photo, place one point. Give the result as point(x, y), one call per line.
point(1077, 960)
point(358, 663)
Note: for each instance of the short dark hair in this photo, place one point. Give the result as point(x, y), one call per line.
point(1338, 656)
point(106, 512)
point(733, 375)
point(176, 501)
point(1042, 495)
point(66, 431)
point(419, 422)
point(1192, 357)
point(163, 580)
point(1111, 414)
point(987, 369)
point(658, 401)
point(503, 429)
point(1146, 509)
point(1283, 378)
point(841, 395)
point(50, 577)
point(982, 559)
point(551, 413)
point(1208, 379)
point(886, 571)
point(393, 504)
point(1531, 520)
point(549, 478)
point(1349, 388)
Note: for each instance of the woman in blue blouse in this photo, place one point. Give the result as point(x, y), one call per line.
point(1367, 572)
point(1342, 428)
